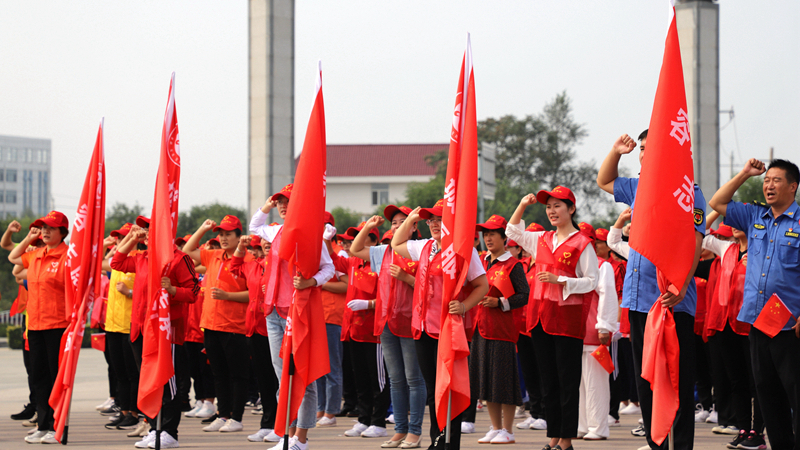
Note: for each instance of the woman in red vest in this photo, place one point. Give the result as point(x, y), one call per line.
point(559, 305)
point(493, 362)
point(426, 315)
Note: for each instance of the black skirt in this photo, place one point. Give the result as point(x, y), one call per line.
point(493, 371)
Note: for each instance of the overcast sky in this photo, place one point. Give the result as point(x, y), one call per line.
point(389, 76)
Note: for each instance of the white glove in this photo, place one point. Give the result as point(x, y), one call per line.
point(329, 233)
point(358, 305)
point(616, 336)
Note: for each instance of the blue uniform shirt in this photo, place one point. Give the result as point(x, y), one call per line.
point(641, 285)
point(773, 253)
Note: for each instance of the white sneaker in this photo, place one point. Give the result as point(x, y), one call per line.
point(198, 405)
point(592, 436)
point(272, 437)
point(326, 422)
point(109, 401)
point(49, 438)
point(712, 416)
point(294, 444)
point(612, 422)
point(231, 425)
point(520, 413)
point(141, 430)
point(631, 409)
point(390, 419)
point(480, 407)
point(503, 437)
point(527, 424)
point(700, 414)
point(260, 435)
point(258, 410)
point(218, 423)
point(35, 438)
point(356, 431)
point(373, 432)
point(151, 437)
point(491, 434)
point(167, 441)
point(467, 427)
point(539, 424)
point(208, 410)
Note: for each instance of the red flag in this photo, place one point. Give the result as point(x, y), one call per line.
point(604, 358)
point(304, 341)
point(665, 196)
point(13, 311)
point(773, 317)
point(157, 366)
point(99, 341)
point(501, 285)
point(458, 232)
point(660, 366)
point(84, 262)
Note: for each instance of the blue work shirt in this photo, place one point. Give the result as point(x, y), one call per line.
point(773, 249)
point(641, 284)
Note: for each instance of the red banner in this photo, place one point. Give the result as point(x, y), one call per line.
point(84, 263)
point(458, 232)
point(304, 347)
point(660, 366)
point(157, 366)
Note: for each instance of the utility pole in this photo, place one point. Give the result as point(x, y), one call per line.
point(771, 153)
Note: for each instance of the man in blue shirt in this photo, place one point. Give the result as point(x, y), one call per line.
point(641, 291)
point(773, 267)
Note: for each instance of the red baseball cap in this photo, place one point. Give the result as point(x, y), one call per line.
point(229, 223)
point(494, 223)
point(437, 210)
point(328, 218)
point(345, 237)
point(387, 236)
point(255, 241)
point(391, 210)
point(723, 230)
point(143, 222)
point(182, 240)
point(559, 192)
point(602, 234)
point(122, 232)
point(214, 239)
point(54, 219)
point(285, 192)
point(588, 230)
point(512, 243)
point(353, 231)
point(534, 227)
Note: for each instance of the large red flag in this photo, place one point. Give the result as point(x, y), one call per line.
point(84, 262)
point(660, 365)
point(157, 366)
point(304, 342)
point(458, 232)
point(665, 196)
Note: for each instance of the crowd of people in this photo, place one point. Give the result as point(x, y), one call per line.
point(542, 310)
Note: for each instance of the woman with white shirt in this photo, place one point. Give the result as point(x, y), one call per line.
point(559, 306)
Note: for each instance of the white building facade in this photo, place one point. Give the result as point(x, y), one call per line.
point(25, 176)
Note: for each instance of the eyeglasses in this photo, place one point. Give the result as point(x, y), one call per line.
point(432, 221)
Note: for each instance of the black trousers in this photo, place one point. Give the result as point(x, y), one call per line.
point(123, 363)
point(373, 402)
point(26, 359)
point(705, 381)
point(184, 382)
point(776, 365)
point(45, 347)
point(265, 377)
point(427, 352)
point(229, 358)
point(171, 402)
point(733, 381)
point(559, 360)
point(349, 392)
point(684, 419)
point(530, 372)
point(474, 392)
point(200, 370)
point(112, 376)
point(624, 386)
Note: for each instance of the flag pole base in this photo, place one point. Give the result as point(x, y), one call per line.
point(449, 420)
point(65, 435)
point(158, 431)
point(288, 404)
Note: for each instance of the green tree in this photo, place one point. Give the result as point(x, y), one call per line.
point(189, 222)
point(751, 191)
point(8, 286)
point(345, 218)
point(120, 214)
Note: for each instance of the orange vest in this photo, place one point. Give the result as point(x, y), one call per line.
point(47, 302)
point(222, 315)
point(395, 298)
point(494, 323)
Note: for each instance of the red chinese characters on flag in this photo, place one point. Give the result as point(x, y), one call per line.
point(458, 232)
point(84, 263)
point(773, 317)
point(157, 336)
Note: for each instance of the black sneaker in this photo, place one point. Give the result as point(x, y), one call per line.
point(739, 439)
point(210, 419)
point(185, 406)
point(753, 442)
point(638, 431)
point(26, 414)
point(110, 411)
point(112, 424)
point(128, 423)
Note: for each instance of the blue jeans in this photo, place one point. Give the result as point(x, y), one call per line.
point(407, 385)
point(329, 387)
point(306, 415)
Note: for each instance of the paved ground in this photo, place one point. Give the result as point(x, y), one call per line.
point(91, 388)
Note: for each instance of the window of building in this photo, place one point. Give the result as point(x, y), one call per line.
point(12, 154)
point(11, 175)
point(2, 173)
point(380, 194)
point(45, 154)
point(2, 196)
point(11, 197)
point(29, 155)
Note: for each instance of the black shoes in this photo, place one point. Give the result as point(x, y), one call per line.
point(26, 414)
point(110, 411)
point(112, 425)
point(128, 423)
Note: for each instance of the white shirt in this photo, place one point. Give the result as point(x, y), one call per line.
point(259, 227)
point(475, 267)
point(607, 304)
point(717, 246)
point(616, 243)
point(586, 269)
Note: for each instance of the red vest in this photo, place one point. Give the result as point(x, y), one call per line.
point(559, 317)
point(395, 298)
point(494, 323)
point(193, 331)
point(361, 284)
point(725, 305)
point(520, 314)
point(280, 287)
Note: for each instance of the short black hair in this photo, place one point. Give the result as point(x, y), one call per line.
point(238, 232)
point(65, 231)
point(372, 238)
point(643, 134)
point(500, 231)
point(792, 173)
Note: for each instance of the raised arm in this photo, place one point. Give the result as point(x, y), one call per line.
point(719, 202)
point(15, 257)
point(357, 248)
point(400, 237)
point(5, 242)
point(192, 246)
point(609, 169)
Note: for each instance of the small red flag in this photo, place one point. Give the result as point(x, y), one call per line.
point(305, 339)
point(773, 317)
point(157, 331)
point(604, 358)
point(458, 235)
point(99, 341)
point(501, 286)
point(13, 311)
point(660, 366)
